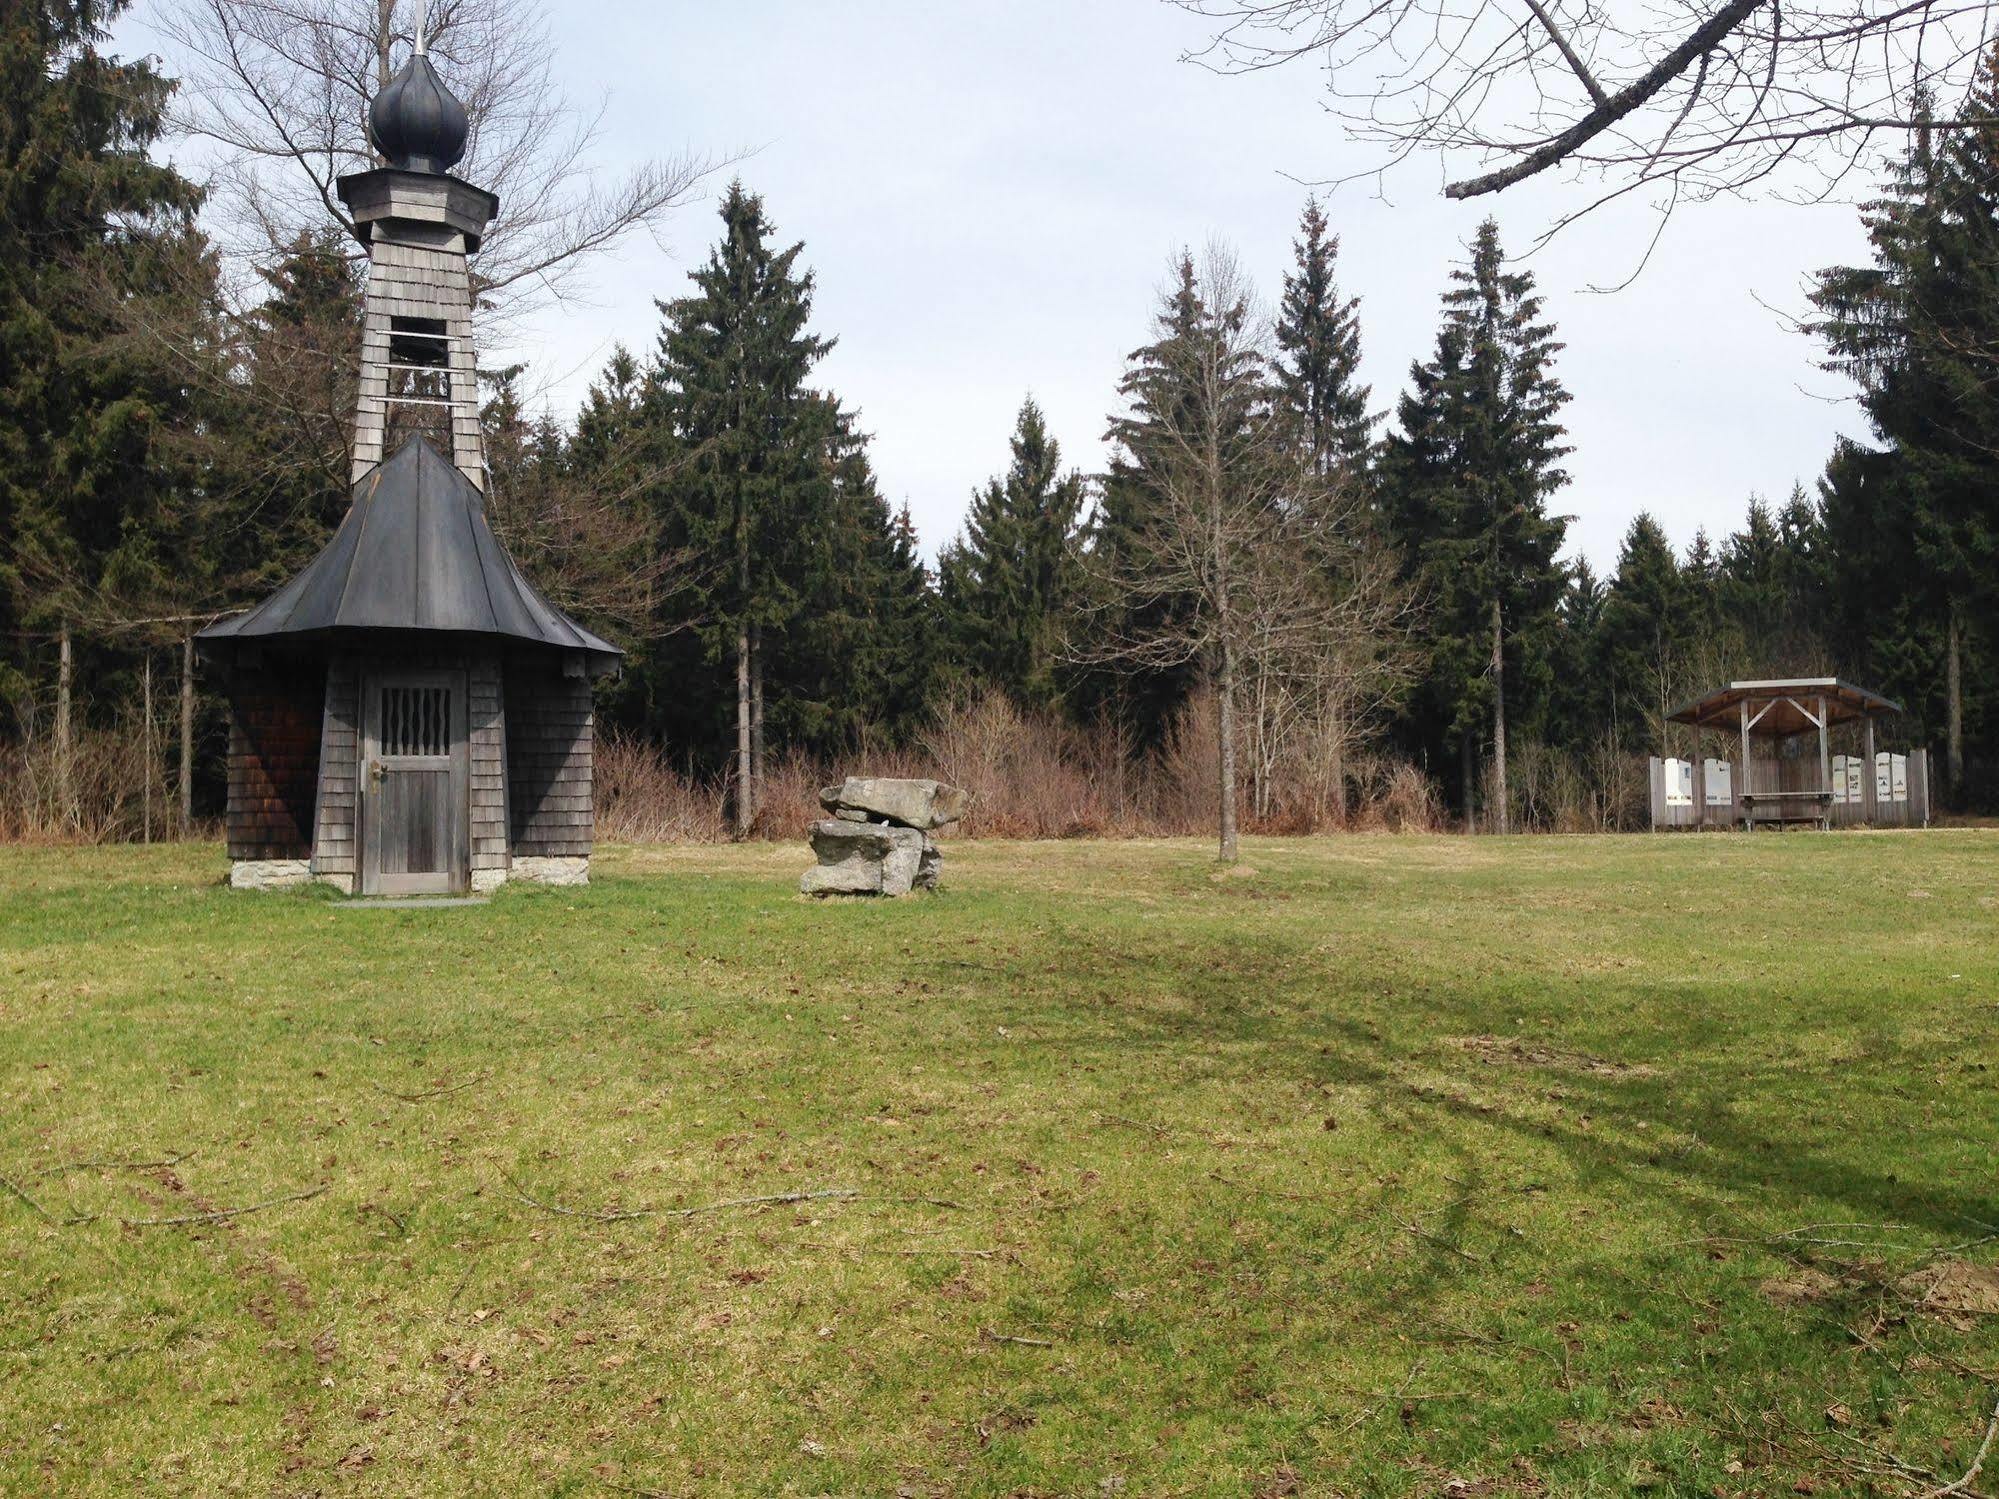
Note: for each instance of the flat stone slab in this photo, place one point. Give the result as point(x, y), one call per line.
point(908, 803)
point(866, 858)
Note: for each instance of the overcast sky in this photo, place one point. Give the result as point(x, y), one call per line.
point(990, 192)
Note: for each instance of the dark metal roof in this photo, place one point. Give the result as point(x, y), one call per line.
point(415, 553)
point(416, 122)
point(1783, 704)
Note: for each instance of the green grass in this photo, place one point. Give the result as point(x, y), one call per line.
point(1572, 1166)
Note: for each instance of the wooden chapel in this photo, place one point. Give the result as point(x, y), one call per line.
point(408, 716)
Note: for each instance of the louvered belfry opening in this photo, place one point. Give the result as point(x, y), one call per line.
point(409, 715)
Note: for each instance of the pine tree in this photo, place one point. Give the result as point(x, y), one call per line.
point(732, 364)
point(1465, 484)
point(102, 456)
point(1007, 584)
point(860, 658)
point(1919, 331)
point(1144, 699)
point(290, 441)
point(1319, 367)
point(1642, 636)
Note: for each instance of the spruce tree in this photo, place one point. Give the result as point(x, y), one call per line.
point(1318, 368)
point(1465, 482)
point(1642, 636)
point(1918, 329)
point(732, 363)
point(1007, 583)
point(860, 658)
point(93, 235)
point(1145, 700)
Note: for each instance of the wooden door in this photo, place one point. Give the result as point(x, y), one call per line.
point(415, 803)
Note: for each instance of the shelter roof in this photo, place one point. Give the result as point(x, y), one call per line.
point(1783, 706)
point(414, 553)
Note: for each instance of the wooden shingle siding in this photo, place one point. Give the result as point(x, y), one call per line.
point(415, 280)
point(550, 733)
point(339, 770)
point(488, 734)
point(273, 762)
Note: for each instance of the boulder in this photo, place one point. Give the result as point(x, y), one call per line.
point(849, 877)
point(908, 803)
point(930, 865)
point(863, 858)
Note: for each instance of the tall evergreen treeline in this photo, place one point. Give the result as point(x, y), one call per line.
point(1374, 585)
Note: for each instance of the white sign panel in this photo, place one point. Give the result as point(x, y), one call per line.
point(1884, 780)
point(1717, 775)
point(1679, 779)
point(1901, 778)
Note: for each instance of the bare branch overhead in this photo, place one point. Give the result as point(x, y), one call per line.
point(1686, 98)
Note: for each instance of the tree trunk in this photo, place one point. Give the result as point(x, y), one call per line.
point(1225, 686)
point(745, 781)
point(1337, 770)
point(758, 761)
point(66, 809)
point(1499, 792)
point(146, 783)
point(1954, 694)
point(385, 21)
point(187, 735)
point(1468, 772)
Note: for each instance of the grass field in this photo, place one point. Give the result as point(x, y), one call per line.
point(1397, 1166)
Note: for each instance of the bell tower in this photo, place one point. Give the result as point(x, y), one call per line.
point(419, 225)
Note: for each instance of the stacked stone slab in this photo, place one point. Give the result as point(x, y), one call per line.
point(877, 842)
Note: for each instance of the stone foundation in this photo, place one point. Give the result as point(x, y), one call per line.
point(486, 881)
point(552, 871)
point(269, 874)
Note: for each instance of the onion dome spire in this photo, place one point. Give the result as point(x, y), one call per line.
point(416, 122)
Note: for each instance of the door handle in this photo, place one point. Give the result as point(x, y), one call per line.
point(375, 772)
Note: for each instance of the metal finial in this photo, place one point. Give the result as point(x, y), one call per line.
point(422, 27)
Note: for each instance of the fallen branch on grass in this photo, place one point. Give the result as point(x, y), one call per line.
point(972, 1254)
point(1000, 1337)
point(38, 1210)
point(173, 1159)
point(429, 1092)
point(217, 1216)
point(1963, 1485)
point(620, 1215)
point(1442, 1243)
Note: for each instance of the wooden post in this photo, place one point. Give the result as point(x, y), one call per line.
point(146, 795)
point(1742, 791)
point(1873, 811)
point(187, 734)
point(1825, 766)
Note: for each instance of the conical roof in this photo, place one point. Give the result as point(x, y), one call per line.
point(415, 553)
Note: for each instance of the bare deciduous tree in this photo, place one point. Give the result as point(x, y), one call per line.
point(1688, 99)
point(278, 91)
point(1242, 560)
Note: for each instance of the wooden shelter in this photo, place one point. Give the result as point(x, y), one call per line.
point(408, 715)
point(1807, 752)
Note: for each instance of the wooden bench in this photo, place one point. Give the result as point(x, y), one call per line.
point(1787, 806)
